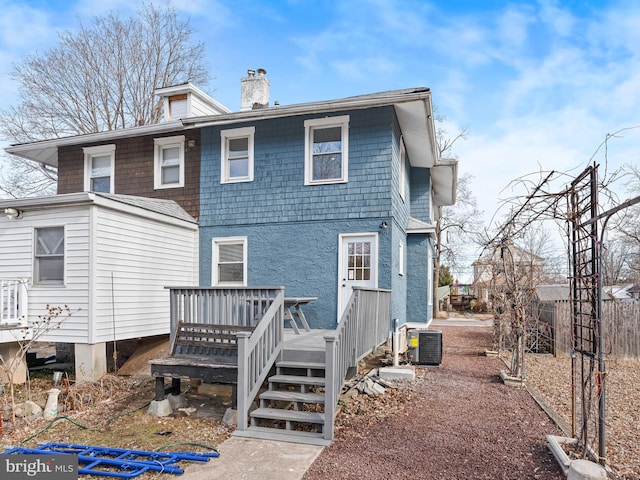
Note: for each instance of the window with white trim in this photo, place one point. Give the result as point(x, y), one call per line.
point(229, 266)
point(236, 155)
point(98, 168)
point(401, 258)
point(403, 167)
point(326, 150)
point(49, 256)
point(168, 162)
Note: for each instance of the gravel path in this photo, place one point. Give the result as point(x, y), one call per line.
point(454, 422)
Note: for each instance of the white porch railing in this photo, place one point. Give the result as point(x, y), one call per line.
point(365, 324)
point(259, 307)
point(13, 303)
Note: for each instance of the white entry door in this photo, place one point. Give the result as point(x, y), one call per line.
point(357, 265)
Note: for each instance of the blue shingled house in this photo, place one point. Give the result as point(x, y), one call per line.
point(320, 197)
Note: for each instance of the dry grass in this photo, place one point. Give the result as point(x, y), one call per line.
point(551, 377)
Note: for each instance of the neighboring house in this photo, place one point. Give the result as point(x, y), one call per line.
point(619, 292)
point(107, 257)
point(317, 197)
point(489, 271)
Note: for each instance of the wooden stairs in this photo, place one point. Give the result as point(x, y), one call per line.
point(291, 408)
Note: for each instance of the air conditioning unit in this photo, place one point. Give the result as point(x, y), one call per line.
point(425, 347)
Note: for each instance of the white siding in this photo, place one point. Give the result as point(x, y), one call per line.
point(198, 107)
point(16, 261)
point(135, 259)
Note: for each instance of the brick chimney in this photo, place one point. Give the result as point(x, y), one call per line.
point(254, 90)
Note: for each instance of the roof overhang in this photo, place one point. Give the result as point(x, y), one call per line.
point(46, 151)
point(165, 210)
point(415, 226)
point(413, 108)
point(444, 176)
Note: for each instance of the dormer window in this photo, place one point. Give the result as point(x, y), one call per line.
point(98, 168)
point(178, 107)
point(184, 101)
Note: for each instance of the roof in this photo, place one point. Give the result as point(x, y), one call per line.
point(418, 226)
point(552, 293)
point(166, 208)
point(412, 105)
point(444, 292)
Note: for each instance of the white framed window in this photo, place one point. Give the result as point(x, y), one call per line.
point(168, 160)
point(326, 150)
point(401, 258)
point(229, 261)
point(99, 168)
point(49, 256)
point(236, 155)
point(403, 167)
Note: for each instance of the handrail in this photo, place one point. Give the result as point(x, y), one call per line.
point(242, 306)
point(365, 324)
point(13, 302)
point(257, 352)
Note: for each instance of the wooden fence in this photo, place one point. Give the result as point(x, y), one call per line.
point(621, 328)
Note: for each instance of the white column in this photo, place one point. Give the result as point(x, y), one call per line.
point(9, 352)
point(91, 361)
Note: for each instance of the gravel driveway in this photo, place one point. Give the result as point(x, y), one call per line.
point(454, 422)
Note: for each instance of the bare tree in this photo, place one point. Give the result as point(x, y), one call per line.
point(457, 224)
point(99, 78)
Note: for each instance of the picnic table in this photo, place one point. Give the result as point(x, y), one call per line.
point(293, 312)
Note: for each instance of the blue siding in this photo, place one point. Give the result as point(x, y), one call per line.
point(278, 193)
point(420, 193)
point(293, 229)
point(400, 207)
point(302, 257)
point(418, 308)
point(399, 282)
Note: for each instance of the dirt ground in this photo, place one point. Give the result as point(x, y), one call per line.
point(551, 378)
point(454, 422)
point(457, 421)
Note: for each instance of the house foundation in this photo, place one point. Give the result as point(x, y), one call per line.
point(90, 361)
point(10, 353)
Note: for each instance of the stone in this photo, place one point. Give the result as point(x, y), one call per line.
point(230, 417)
point(586, 470)
point(397, 373)
point(160, 408)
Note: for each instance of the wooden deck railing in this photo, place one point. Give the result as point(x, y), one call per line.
point(257, 352)
point(365, 324)
point(259, 307)
point(13, 303)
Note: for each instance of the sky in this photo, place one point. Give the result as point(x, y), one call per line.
point(538, 85)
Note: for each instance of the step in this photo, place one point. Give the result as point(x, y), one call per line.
point(279, 435)
point(297, 380)
point(288, 415)
point(303, 355)
point(300, 365)
point(286, 396)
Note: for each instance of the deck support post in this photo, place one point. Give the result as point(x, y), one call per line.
point(159, 389)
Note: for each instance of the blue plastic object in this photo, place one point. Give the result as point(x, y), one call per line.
point(117, 462)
